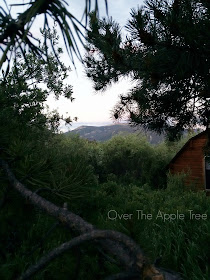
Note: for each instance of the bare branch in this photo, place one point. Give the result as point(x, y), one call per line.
point(96, 234)
point(119, 245)
point(76, 223)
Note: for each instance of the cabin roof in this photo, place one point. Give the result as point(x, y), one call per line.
point(185, 145)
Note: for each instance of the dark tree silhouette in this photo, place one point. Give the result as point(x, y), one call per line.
point(166, 53)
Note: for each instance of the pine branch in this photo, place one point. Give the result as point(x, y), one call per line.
point(17, 31)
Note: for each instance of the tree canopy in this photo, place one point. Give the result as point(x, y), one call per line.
point(166, 53)
point(24, 92)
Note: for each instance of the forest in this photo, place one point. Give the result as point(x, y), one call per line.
point(71, 208)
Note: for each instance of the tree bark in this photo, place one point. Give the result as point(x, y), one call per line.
point(93, 235)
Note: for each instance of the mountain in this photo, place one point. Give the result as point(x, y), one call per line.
point(103, 133)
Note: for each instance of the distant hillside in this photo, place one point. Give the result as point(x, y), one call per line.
point(103, 133)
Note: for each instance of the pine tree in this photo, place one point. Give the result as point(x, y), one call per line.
point(166, 53)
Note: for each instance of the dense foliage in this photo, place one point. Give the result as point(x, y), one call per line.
point(166, 53)
point(90, 178)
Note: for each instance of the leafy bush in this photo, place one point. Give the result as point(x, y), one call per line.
point(132, 159)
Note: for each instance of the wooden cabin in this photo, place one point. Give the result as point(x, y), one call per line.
point(191, 159)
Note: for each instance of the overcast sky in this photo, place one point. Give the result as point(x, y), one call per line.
point(88, 105)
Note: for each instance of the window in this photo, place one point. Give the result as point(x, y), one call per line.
point(207, 172)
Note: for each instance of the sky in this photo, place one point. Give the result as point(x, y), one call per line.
point(90, 106)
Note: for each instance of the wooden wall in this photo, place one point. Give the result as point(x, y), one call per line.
point(191, 159)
